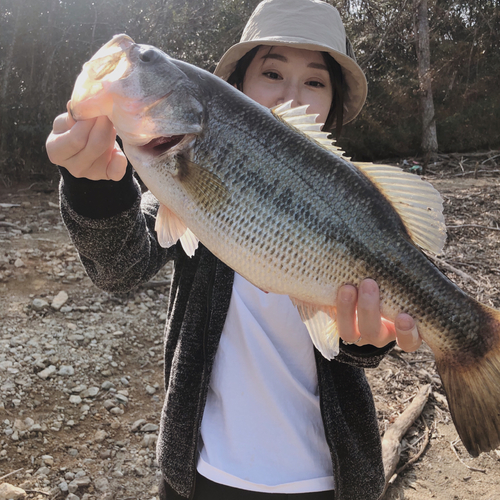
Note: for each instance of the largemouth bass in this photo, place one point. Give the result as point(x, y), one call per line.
point(281, 206)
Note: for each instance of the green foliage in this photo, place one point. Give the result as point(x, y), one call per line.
point(43, 44)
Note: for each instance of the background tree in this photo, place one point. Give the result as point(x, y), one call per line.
point(43, 44)
point(429, 136)
point(464, 40)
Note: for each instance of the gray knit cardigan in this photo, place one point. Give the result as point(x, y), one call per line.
point(112, 227)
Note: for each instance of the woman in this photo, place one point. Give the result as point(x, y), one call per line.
point(252, 410)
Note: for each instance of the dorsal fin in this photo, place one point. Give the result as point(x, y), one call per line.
point(417, 202)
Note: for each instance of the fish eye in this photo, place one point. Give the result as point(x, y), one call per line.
point(148, 55)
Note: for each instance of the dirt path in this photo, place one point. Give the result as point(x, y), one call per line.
point(86, 428)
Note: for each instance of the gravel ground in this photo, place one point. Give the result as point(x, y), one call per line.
point(81, 370)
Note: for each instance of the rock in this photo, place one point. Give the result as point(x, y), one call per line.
point(139, 471)
point(22, 425)
point(149, 428)
point(66, 371)
point(122, 399)
point(100, 436)
point(149, 440)
point(116, 411)
point(63, 486)
point(72, 487)
point(75, 399)
point(72, 496)
point(150, 390)
point(19, 263)
point(29, 422)
point(76, 337)
point(45, 374)
point(59, 300)
point(9, 491)
point(5, 364)
point(47, 460)
point(101, 484)
point(90, 392)
point(137, 424)
point(106, 385)
point(108, 404)
point(43, 470)
point(79, 482)
point(56, 426)
point(39, 304)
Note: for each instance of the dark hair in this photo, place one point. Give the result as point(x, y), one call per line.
point(336, 113)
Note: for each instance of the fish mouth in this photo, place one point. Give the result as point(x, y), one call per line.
point(163, 144)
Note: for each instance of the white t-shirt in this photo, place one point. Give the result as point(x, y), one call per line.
point(262, 428)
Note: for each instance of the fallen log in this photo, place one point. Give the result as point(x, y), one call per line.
point(391, 442)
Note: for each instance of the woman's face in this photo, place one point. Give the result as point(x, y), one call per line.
point(279, 74)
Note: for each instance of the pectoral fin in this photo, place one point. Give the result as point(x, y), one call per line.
point(169, 229)
point(203, 186)
point(322, 327)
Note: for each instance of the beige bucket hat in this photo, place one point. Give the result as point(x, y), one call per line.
point(305, 24)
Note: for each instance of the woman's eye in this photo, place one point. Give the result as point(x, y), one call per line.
point(315, 83)
point(272, 75)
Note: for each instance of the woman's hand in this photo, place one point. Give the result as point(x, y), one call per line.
point(86, 148)
point(370, 327)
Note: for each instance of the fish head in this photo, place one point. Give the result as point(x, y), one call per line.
point(144, 93)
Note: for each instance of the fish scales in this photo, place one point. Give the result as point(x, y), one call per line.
point(292, 216)
point(336, 221)
point(258, 204)
point(336, 227)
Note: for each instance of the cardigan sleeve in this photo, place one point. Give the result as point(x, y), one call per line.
point(111, 225)
point(367, 356)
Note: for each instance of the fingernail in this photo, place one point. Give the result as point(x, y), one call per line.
point(347, 294)
point(406, 323)
point(414, 334)
point(369, 286)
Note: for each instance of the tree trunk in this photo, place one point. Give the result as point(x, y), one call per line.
point(8, 64)
point(429, 136)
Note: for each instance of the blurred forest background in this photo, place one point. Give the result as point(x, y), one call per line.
point(43, 44)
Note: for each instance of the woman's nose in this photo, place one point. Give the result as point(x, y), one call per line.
point(290, 93)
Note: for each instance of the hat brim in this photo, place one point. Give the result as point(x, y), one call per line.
point(355, 80)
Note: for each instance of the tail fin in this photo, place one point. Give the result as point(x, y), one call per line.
point(473, 391)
